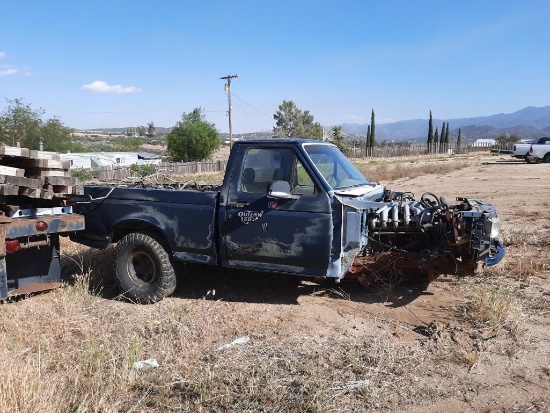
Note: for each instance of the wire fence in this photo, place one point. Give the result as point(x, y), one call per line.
point(111, 173)
point(390, 151)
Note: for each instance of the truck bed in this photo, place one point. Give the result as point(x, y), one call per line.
point(187, 218)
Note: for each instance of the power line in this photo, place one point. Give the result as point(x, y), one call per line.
point(252, 107)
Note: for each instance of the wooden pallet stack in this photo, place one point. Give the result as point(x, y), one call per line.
point(34, 178)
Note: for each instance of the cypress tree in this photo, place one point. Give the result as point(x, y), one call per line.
point(367, 145)
point(430, 133)
point(372, 133)
point(436, 139)
point(447, 138)
point(442, 138)
point(458, 141)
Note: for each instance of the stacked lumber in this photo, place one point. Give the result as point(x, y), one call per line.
point(27, 175)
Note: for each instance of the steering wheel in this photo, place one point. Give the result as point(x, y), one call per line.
point(331, 180)
point(426, 201)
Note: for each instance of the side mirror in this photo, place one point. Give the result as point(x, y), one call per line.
point(280, 190)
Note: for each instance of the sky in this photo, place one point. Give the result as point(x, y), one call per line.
point(119, 63)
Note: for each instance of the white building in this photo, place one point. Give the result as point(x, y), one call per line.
point(86, 160)
point(484, 143)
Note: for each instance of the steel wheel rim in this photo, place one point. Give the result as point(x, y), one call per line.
point(142, 268)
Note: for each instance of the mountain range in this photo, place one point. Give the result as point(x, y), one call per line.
point(529, 122)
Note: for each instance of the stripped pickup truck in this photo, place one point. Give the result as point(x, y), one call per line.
point(289, 206)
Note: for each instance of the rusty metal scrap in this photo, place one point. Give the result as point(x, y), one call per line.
point(369, 269)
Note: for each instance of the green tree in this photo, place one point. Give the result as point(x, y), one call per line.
point(193, 138)
point(508, 138)
point(368, 148)
point(294, 123)
point(141, 130)
point(442, 139)
point(447, 137)
point(151, 130)
point(436, 139)
point(458, 140)
point(372, 130)
point(338, 137)
point(56, 137)
point(430, 133)
point(20, 123)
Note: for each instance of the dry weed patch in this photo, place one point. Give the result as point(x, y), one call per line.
point(384, 170)
point(527, 251)
point(490, 306)
point(69, 351)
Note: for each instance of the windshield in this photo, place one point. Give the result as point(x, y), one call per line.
point(337, 170)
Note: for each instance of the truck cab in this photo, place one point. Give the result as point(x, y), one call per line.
point(278, 210)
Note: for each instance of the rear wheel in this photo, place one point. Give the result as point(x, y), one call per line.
point(144, 270)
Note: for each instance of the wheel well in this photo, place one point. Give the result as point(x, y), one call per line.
point(136, 226)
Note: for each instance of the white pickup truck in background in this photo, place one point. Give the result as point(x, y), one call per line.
point(521, 150)
point(539, 153)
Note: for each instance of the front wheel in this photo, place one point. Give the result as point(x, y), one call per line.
point(143, 268)
point(546, 158)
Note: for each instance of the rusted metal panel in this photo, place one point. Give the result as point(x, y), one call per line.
point(32, 269)
point(34, 288)
point(26, 227)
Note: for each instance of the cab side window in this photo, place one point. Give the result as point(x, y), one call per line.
point(263, 166)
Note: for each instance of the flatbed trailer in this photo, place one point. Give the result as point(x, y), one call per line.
point(29, 251)
point(35, 187)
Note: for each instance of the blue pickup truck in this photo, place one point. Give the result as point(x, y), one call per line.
point(289, 206)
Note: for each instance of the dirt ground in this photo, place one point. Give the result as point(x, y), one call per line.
point(480, 344)
point(517, 382)
point(509, 371)
point(505, 368)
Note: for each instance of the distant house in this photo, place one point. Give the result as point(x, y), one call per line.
point(87, 160)
point(484, 143)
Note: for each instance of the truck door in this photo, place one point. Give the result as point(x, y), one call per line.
point(268, 234)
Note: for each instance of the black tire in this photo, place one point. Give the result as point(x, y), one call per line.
point(144, 271)
point(527, 160)
point(546, 158)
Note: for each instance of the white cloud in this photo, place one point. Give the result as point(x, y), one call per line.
point(6, 72)
point(99, 86)
point(2, 54)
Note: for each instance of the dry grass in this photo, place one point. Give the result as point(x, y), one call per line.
point(490, 306)
point(81, 355)
point(388, 170)
point(81, 359)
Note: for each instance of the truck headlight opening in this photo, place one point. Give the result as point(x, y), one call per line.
point(492, 227)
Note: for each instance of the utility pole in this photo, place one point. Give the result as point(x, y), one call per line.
point(228, 90)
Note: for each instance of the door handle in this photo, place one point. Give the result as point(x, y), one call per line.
point(238, 205)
